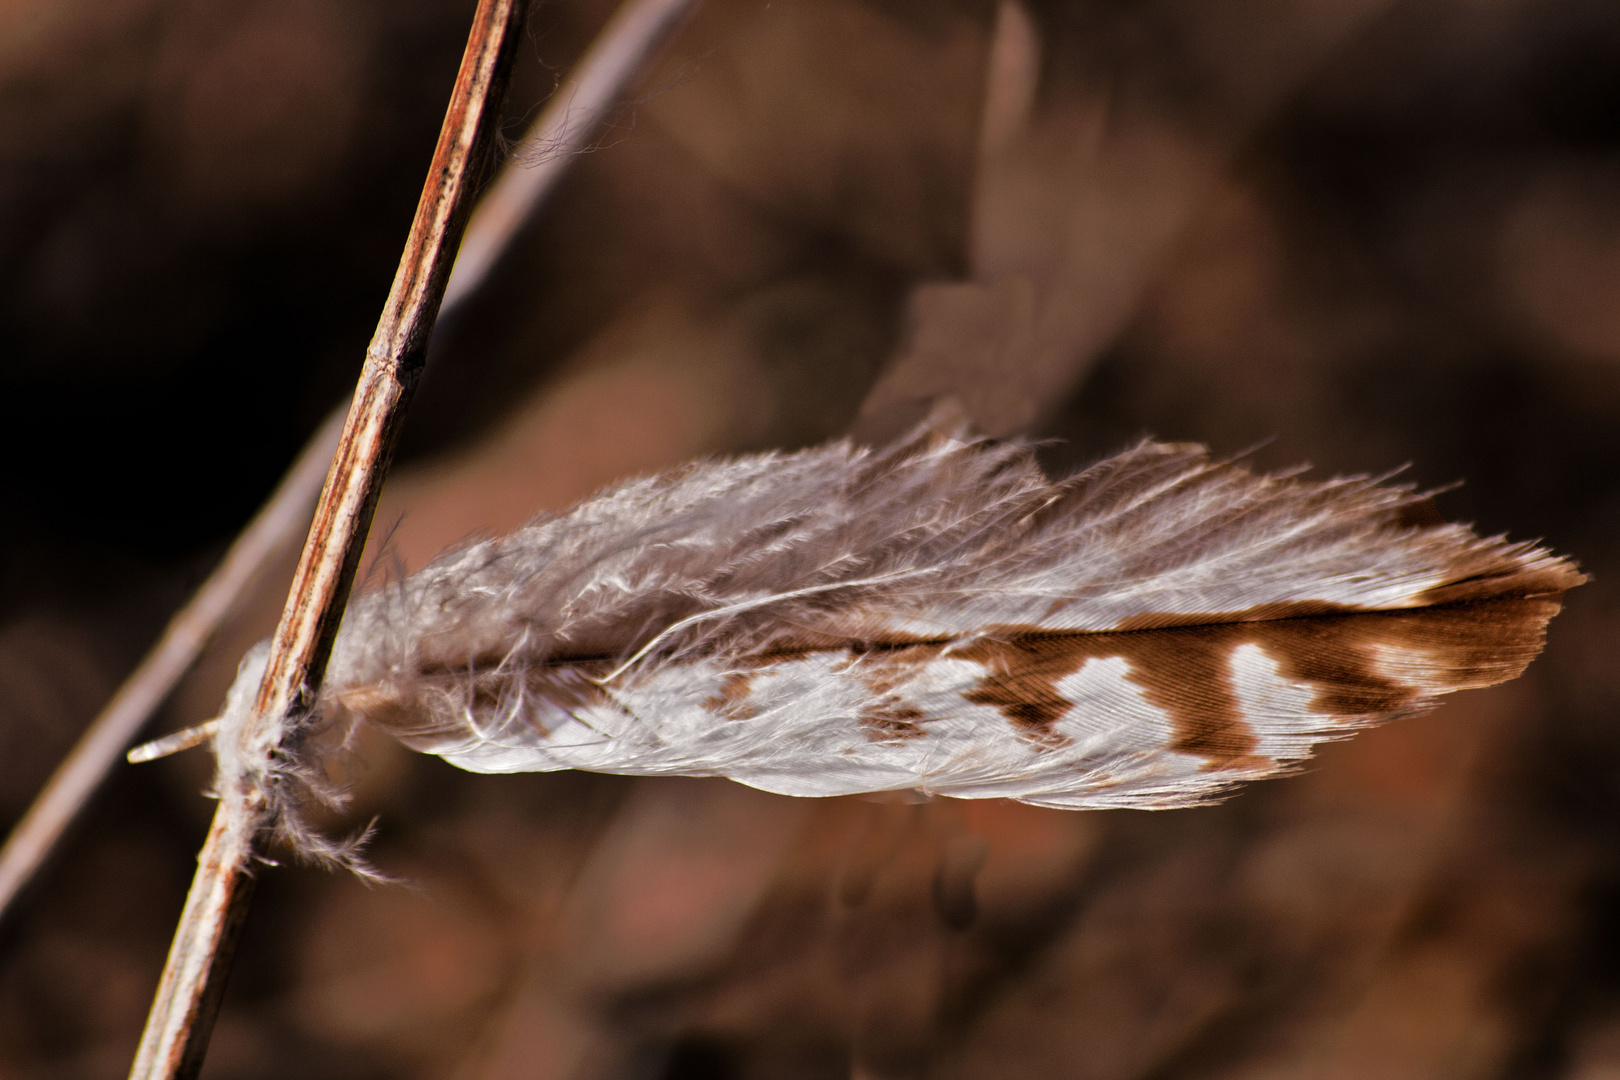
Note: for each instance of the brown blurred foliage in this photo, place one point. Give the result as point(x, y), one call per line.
point(1370, 231)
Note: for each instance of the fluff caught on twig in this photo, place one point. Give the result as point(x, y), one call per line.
point(939, 615)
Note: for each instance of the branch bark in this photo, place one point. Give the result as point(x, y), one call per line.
point(181, 1019)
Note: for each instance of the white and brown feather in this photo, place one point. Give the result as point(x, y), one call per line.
point(941, 616)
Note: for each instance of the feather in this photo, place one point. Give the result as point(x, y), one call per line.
point(939, 615)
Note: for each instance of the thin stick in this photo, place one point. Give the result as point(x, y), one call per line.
point(82, 771)
point(556, 137)
point(570, 117)
point(181, 1019)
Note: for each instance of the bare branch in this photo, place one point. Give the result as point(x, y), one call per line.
point(181, 1019)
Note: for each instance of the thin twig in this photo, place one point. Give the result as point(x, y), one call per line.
point(569, 119)
point(181, 1019)
point(560, 133)
point(81, 772)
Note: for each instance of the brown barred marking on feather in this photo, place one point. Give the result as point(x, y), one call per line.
point(884, 667)
point(732, 700)
point(1024, 669)
point(891, 719)
point(1021, 677)
point(1185, 670)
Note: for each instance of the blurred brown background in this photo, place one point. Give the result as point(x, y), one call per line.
point(1370, 231)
